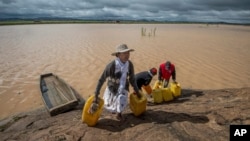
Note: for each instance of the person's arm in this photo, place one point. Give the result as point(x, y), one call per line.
point(147, 81)
point(101, 80)
point(147, 78)
point(174, 75)
point(159, 74)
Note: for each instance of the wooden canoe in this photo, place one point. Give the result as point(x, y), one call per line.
point(57, 95)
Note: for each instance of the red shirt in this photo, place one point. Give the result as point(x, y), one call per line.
point(164, 73)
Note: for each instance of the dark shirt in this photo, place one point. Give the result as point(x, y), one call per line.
point(109, 72)
point(143, 78)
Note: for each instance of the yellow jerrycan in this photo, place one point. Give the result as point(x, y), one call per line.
point(157, 95)
point(91, 119)
point(157, 92)
point(167, 94)
point(175, 89)
point(137, 106)
point(158, 84)
point(147, 89)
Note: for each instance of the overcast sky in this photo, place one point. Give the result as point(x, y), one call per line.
point(233, 11)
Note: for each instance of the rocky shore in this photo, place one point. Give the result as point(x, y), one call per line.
point(197, 115)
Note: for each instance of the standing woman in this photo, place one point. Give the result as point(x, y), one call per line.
point(119, 72)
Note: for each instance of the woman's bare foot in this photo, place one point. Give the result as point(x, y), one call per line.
point(119, 117)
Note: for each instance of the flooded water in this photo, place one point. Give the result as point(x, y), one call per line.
point(205, 56)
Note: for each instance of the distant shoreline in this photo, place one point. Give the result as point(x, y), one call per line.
point(31, 21)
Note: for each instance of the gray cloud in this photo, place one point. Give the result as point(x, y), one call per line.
point(235, 11)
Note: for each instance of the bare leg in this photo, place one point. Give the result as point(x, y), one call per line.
point(119, 116)
point(166, 83)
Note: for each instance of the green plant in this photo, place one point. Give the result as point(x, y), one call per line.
point(152, 32)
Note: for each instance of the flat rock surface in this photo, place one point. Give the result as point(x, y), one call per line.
point(197, 115)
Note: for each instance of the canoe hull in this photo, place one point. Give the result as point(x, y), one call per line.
point(57, 95)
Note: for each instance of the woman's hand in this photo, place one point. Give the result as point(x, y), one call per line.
point(93, 108)
point(138, 94)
